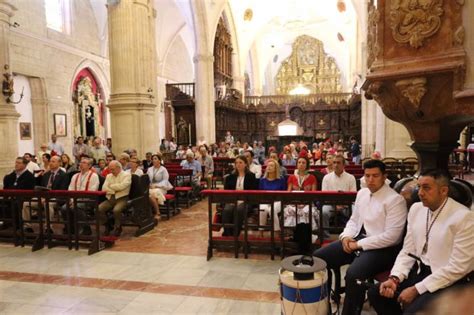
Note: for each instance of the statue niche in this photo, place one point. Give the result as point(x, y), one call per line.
point(87, 109)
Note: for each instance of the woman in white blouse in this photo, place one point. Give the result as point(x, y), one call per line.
point(159, 183)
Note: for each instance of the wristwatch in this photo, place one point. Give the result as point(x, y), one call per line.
point(395, 279)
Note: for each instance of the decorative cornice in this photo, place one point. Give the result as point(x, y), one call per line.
point(414, 21)
point(413, 89)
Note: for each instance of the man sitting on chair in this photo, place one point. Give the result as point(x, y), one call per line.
point(85, 180)
point(369, 242)
point(117, 186)
point(438, 250)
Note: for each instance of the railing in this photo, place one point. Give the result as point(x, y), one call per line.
point(326, 98)
point(12, 202)
point(257, 197)
point(175, 90)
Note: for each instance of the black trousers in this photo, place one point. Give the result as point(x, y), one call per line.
point(230, 212)
point(386, 306)
point(368, 264)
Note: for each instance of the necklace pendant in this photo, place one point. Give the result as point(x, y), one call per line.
point(425, 248)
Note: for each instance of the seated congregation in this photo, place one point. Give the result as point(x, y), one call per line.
point(412, 236)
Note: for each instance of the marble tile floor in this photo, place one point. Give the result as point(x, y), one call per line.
point(162, 272)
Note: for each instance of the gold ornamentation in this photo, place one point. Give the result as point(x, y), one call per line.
point(413, 89)
point(413, 21)
point(309, 66)
point(459, 36)
point(372, 46)
point(248, 15)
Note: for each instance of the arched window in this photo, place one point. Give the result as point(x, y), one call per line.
point(58, 15)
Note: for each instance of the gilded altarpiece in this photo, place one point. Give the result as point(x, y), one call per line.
point(310, 66)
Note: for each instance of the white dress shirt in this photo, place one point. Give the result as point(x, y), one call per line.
point(32, 167)
point(344, 182)
point(138, 172)
point(383, 215)
point(256, 169)
point(450, 251)
point(80, 181)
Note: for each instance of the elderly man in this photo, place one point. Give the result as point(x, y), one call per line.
point(97, 150)
point(56, 147)
point(191, 164)
point(85, 180)
point(124, 160)
point(117, 186)
point(338, 180)
point(369, 242)
point(438, 250)
point(206, 161)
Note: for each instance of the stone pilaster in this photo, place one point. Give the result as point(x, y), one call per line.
point(8, 114)
point(239, 84)
point(133, 76)
point(205, 102)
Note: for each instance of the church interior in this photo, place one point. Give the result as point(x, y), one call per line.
point(141, 124)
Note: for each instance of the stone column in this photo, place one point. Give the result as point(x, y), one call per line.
point(204, 99)
point(239, 84)
point(133, 76)
point(8, 114)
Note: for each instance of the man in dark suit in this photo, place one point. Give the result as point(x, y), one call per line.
point(54, 179)
point(20, 178)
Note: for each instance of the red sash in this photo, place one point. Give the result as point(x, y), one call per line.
point(87, 183)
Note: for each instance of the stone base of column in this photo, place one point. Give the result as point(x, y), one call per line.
point(133, 123)
point(8, 145)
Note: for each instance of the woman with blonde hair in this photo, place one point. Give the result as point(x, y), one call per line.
point(67, 163)
point(271, 180)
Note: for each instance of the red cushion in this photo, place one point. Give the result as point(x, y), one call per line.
point(169, 197)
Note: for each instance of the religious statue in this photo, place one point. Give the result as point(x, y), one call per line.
point(183, 131)
point(7, 86)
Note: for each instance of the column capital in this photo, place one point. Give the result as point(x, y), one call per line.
point(203, 58)
point(7, 10)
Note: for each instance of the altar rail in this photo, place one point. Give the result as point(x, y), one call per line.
point(11, 204)
point(258, 197)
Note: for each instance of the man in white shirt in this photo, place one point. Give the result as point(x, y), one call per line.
point(85, 180)
point(55, 146)
point(371, 238)
point(117, 185)
point(437, 253)
point(31, 166)
point(253, 167)
point(338, 180)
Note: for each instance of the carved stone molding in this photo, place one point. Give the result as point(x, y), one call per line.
point(414, 21)
point(458, 36)
point(413, 89)
point(372, 46)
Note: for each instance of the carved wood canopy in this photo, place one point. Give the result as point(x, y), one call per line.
point(309, 66)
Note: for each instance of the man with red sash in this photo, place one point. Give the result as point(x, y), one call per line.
point(86, 180)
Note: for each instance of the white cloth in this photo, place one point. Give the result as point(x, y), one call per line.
point(159, 178)
point(32, 167)
point(450, 247)
point(138, 172)
point(383, 215)
point(345, 182)
point(79, 181)
point(56, 147)
point(265, 212)
point(256, 169)
point(290, 212)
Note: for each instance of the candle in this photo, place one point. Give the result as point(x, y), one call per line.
point(189, 134)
